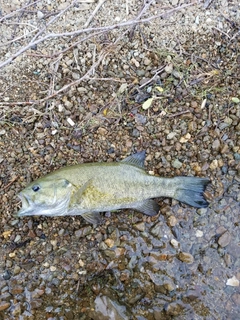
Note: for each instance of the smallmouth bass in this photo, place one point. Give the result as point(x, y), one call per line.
point(89, 188)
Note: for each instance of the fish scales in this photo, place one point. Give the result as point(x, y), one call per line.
point(116, 182)
point(87, 189)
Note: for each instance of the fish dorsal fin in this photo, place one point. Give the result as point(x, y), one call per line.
point(136, 159)
point(77, 196)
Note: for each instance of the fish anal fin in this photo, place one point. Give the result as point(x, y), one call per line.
point(136, 159)
point(92, 217)
point(148, 207)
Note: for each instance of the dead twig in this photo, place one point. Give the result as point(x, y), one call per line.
point(18, 10)
point(141, 12)
point(150, 80)
point(86, 76)
point(177, 114)
point(10, 183)
point(17, 103)
point(100, 3)
point(108, 79)
point(18, 38)
point(52, 20)
point(221, 32)
point(207, 3)
point(20, 16)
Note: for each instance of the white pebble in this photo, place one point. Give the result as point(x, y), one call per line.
point(2, 132)
point(52, 268)
point(185, 138)
point(233, 282)
point(18, 238)
point(174, 243)
point(199, 233)
point(69, 120)
point(40, 15)
point(171, 135)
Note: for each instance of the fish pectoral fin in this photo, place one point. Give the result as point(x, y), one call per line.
point(77, 196)
point(136, 159)
point(148, 207)
point(92, 217)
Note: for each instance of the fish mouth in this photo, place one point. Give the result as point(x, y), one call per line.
point(27, 206)
point(55, 208)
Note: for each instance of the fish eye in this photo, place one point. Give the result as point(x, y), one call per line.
point(35, 188)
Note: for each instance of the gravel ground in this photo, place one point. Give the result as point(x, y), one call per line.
point(169, 86)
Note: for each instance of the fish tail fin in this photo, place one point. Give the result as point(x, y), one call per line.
point(190, 190)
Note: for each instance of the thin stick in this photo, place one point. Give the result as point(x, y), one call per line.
point(100, 3)
point(18, 10)
point(207, 3)
point(108, 79)
point(177, 114)
point(10, 183)
point(150, 80)
point(221, 32)
point(18, 38)
point(86, 76)
point(52, 20)
point(17, 103)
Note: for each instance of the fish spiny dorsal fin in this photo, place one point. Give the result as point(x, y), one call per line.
point(136, 159)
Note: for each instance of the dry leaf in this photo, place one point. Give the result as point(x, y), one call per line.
point(147, 104)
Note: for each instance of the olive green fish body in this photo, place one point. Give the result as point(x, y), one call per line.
point(87, 189)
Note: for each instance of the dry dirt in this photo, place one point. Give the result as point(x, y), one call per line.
point(169, 86)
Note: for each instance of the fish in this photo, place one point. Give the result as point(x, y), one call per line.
point(90, 188)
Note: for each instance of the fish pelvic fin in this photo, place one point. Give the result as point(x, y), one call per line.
point(190, 190)
point(92, 217)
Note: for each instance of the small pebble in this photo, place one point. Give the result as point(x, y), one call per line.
point(140, 226)
point(225, 239)
point(18, 238)
point(233, 282)
point(53, 268)
point(12, 254)
point(4, 305)
point(169, 286)
point(214, 164)
point(171, 135)
point(172, 221)
point(109, 243)
point(199, 233)
point(185, 138)
point(71, 122)
point(177, 164)
point(186, 257)
point(83, 232)
point(40, 15)
point(169, 68)
point(174, 243)
point(146, 62)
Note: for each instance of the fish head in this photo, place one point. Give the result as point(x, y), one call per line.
point(47, 196)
